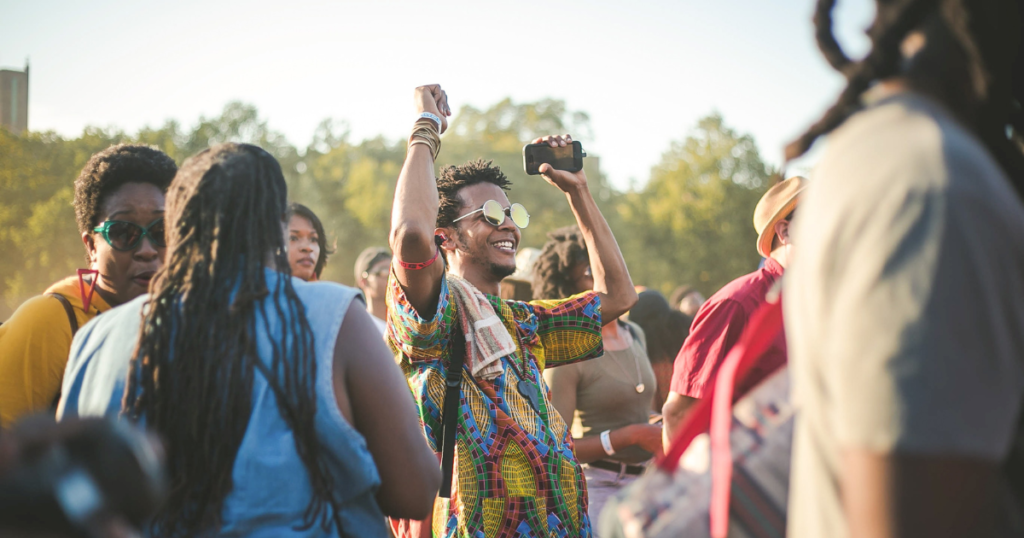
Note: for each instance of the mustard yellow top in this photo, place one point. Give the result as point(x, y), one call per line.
point(34, 346)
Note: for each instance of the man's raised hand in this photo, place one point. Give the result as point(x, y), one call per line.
point(565, 181)
point(431, 98)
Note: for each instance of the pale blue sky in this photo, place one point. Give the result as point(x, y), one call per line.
point(644, 71)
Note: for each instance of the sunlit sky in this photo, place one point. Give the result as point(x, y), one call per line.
point(645, 72)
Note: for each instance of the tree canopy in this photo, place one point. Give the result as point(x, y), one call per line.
point(689, 224)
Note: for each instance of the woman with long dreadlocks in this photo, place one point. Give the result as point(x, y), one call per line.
point(271, 395)
point(905, 308)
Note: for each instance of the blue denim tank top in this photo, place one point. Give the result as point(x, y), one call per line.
point(271, 486)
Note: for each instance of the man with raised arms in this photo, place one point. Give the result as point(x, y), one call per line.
point(514, 472)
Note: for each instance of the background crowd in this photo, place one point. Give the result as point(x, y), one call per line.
point(552, 391)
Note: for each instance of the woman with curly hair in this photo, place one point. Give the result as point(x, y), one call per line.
point(611, 395)
point(119, 206)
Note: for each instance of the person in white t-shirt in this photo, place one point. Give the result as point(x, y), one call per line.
point(372, 268)
point(905, 307)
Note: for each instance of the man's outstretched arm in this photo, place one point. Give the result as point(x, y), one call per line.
point(611, 278)
point(414, 214)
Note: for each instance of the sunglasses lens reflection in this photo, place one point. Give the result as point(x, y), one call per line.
point(494, 213)
point(519, 215)
point(124, 235)
point(157, 234)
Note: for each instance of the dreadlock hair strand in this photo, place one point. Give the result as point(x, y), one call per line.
point(826, 40)
point(192, 375)
point(988, 34)
point(883, 61)
point(564, 250)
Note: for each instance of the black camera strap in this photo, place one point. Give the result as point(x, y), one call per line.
point(450, 411)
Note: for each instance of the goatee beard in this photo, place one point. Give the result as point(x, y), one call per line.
point(501, 271)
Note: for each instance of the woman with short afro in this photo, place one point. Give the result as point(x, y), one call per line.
point(119, 206)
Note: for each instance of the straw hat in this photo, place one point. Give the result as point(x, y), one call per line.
point(775, 205)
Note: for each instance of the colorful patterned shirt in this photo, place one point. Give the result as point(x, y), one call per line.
point(515, 470)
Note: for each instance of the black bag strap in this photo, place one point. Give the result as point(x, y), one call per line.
point(73, 320)
point(450, 412)
point(68, 309)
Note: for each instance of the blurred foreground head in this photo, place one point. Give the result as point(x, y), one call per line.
point(90, 477)
point(966, 53)
point(191, 377)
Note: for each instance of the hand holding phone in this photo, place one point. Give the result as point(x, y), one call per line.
point(564, 154)
point(551, 159)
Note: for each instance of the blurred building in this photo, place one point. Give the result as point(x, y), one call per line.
point(14, 100)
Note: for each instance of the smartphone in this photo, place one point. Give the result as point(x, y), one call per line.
point(568, 158)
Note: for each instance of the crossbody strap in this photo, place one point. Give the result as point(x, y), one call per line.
point(450, 412)
point(713, 413)
point(73, 320)
point(69, 310)
point(764, 329)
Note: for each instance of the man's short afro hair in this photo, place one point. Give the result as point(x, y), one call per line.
point(107, 170)
point(454, 178)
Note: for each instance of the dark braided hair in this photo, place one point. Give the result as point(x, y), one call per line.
point(565, 249)
point(455, 178)
point(225, 212)
point(985, 31)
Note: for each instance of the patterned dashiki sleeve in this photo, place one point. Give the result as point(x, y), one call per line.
point(568, 330)
point(411, 336)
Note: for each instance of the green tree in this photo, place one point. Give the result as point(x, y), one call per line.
point(38, 233)
point(351, 187)
point(689, 224)
point(693, 220)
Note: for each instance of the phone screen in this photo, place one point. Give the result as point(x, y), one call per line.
point(562, 158)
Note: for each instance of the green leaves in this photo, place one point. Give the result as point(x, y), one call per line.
point(694, 218)
point(690, 223)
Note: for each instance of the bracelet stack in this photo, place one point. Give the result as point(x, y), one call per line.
point(425, 132)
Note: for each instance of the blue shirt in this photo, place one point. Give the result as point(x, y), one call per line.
point(271, 486)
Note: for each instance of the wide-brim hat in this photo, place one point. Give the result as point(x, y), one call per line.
point(775, 205)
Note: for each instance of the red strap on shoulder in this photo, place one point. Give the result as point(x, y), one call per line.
point(764, 329)
point(87, 298)
point(714, 412)
point(421, 265)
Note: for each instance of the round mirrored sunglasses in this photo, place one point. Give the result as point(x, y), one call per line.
point(494, 214)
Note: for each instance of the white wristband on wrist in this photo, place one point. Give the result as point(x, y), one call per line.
point(606, 442)
point(434, 118)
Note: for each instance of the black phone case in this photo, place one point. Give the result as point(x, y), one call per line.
point(532, 167)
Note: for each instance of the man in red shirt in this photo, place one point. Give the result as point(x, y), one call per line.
point(721, 320)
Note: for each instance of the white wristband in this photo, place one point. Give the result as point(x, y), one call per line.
point(606, 442)
point(434, 118)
